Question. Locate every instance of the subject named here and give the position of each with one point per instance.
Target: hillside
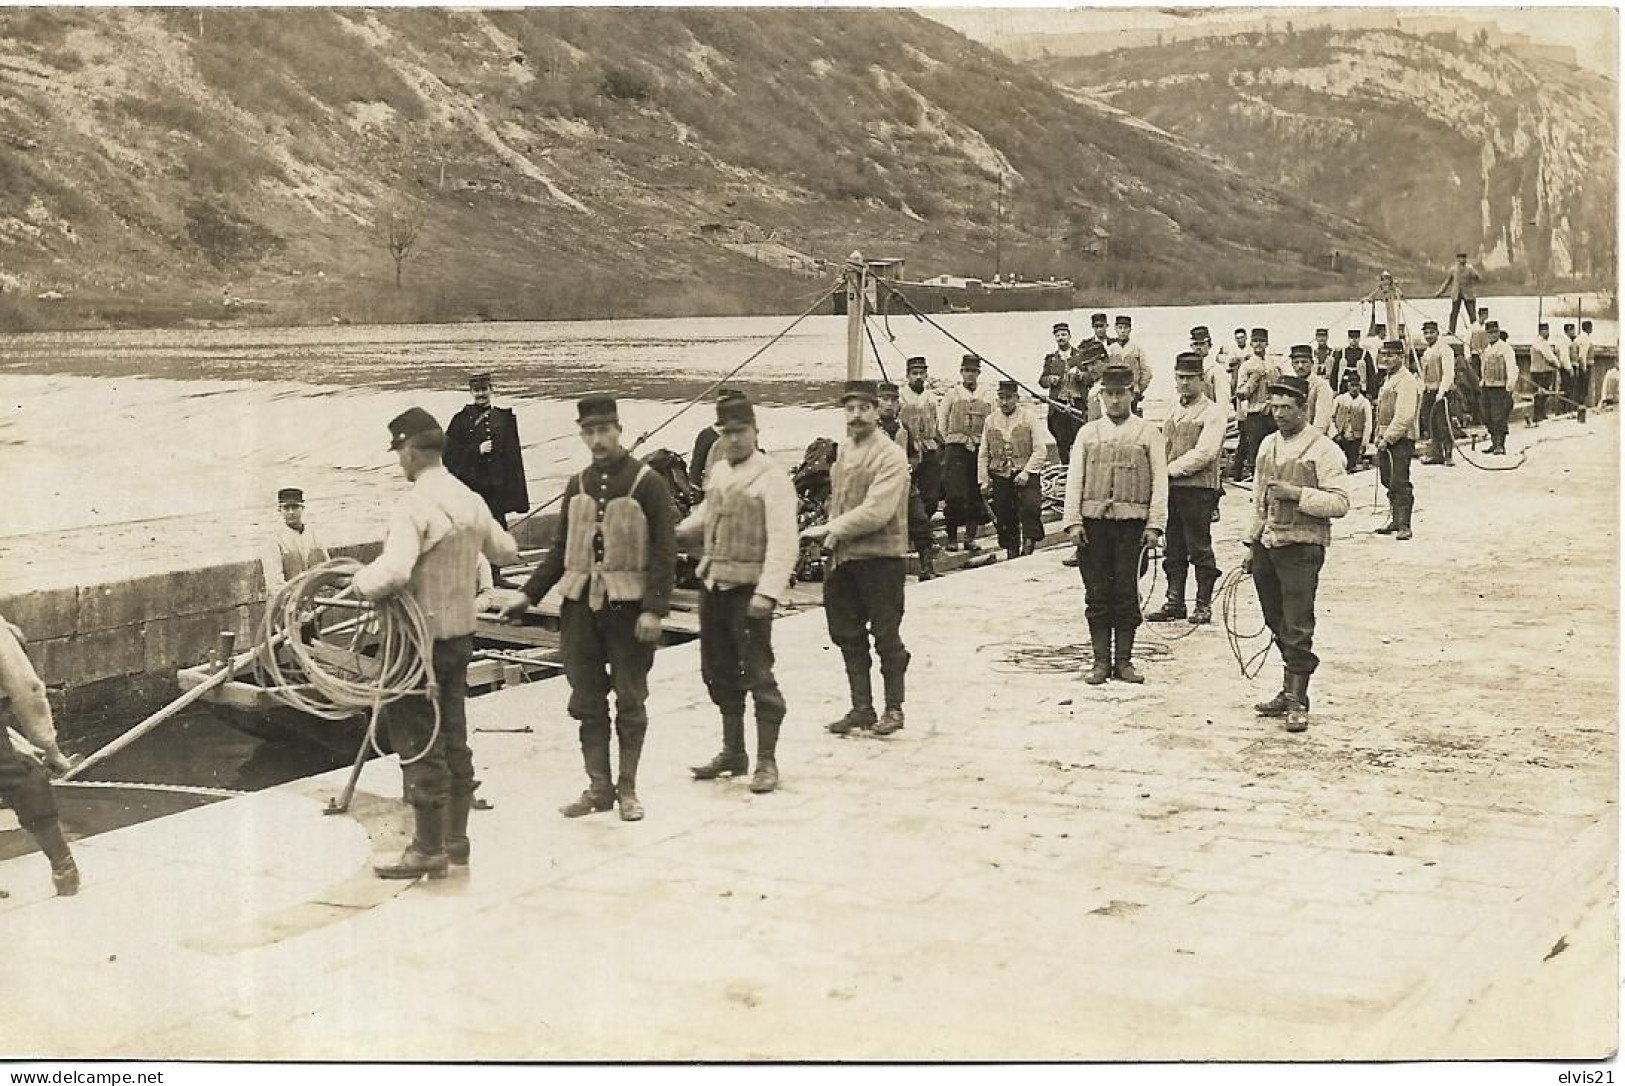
(581, 163)
(1436, 142)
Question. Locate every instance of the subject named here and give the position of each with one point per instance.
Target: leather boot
(456, 810)
(1100, 638)
(64, 872)
(1393, 519)
(862, 714)
(1170, 610)
(1123, 658)
(1012, 553)
(928, 566)
(732, 761)
(894, 681)
(971, 531)
(426, 855)
(1282, 702)
(953, 540)
(766, 777)
(626, 789)
(600, 793)
(1202, 612)
(1297, 718)
(1404, 513)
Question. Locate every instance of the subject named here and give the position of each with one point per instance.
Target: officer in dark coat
(482, 452)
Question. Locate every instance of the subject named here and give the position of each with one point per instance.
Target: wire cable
(1227, 594)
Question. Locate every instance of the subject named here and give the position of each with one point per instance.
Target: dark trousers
(602, 654)
(1351, 451)
(1497, 410)
(928, 480)
(1436, 413)
(446, 768)
(1286, 579)
(1109, 563)
(1016, 510)
(1580, 385)
(1394, 470)
(965, 505)
(1190, 541)
(863, 598)
(736, 655)
(1544, 383)
(1457, 305)
(1064, 429)
(25, 785)
(919, 522)
(1254, 429)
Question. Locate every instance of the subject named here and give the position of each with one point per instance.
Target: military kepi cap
(1009, 386)
(1060, 326)
(480, 380)
(1188, 362)
(1200, 333)
(917, 362)
(1301, 350)
(970, 362)
(290, 495)
(1262, 334)
(1117, 377)
(1492, 326)
(595, 409)
(1099, 318)
(861, 390)
(408, 424)
(1430, 326)
(1322, 332)
(1393, 346)
(1354, 333)
(735, 413)
(1292, 386)
(887, 388)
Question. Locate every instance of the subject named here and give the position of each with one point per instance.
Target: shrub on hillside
(226, 238)
(626, 84)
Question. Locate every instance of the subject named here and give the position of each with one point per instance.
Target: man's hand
(1247, 562)
(816, 532)
(987, 490)
(1151, 537)
(1022, 477)
(55, 761)
(648, 629)
(1078, 536)
(1286, 492)
(760, 606)
(485, 447)
(514, 610)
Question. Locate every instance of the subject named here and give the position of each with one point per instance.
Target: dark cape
(498, 478)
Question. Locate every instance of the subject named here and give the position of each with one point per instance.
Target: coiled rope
(1227, 595)
(402, 666)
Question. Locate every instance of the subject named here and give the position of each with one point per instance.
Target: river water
(111, 428)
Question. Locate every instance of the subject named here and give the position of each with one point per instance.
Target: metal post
(856, 273)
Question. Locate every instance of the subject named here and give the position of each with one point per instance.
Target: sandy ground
(1033, 868)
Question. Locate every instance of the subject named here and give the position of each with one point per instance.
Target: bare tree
(398, 230)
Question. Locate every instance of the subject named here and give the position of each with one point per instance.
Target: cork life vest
(1116, 481)
(1388, 402)
(607, 549)
(1007, 455)
(1348, 417)
(1432, 368)
(1284, 520)
(1495, 371)
(735, 534)
(967, 414)
(920, 417)
(299, 551)
(1258, 400)
(1181, 436)
(443, 579)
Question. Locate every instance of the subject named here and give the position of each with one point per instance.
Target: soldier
(1461, 283)
(1320, 390)
(294, 546)
(1354, 358)
(1116, 506)
(1544, 369)
(1324, 354)
(1100, 332)
(614, 559)
(1298, 489)
(960, 416)
(1498, 376)
(482, 452)
(25, 784)
(1214, 370)
(919, 526)
(1068, 383)
(438, 531)
(1194, 436)
(747, 524)
(1351, 420)
(1252, 389)
(1584, 348)
(1007, 469)
(917, 408)
(1131, 355)
(1398, 406)
(865, 535)
(1478, 338)
(705, 452)
(1438, 382)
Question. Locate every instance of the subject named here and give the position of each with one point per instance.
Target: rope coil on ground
(313, 683)
(1227, 595)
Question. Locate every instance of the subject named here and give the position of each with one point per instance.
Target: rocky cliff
(1440, 143)
(410, 164)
